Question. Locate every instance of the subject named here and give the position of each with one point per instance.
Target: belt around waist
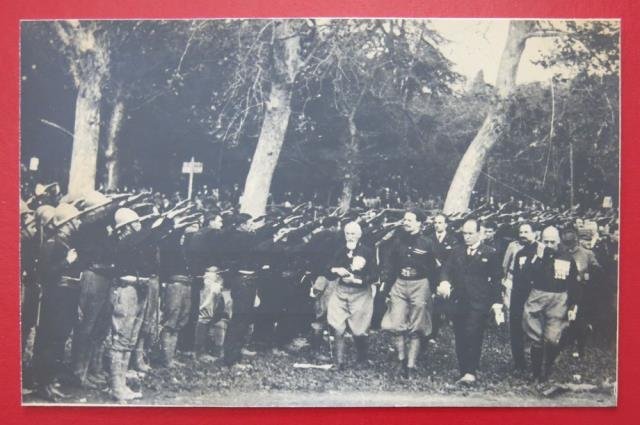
(136, 281)
(411, 273)
(246, 272)
(70, 280)
(180, 278)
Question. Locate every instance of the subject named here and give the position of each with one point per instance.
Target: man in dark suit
(443, 243)
(471, 278)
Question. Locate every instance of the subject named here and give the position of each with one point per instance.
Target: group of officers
(114, 274)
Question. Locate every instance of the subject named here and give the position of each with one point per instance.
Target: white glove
(444, 289)
(256, 301)
(340, 271)
(72, 255)
(573, 313)
(507, 283)
(498, 313)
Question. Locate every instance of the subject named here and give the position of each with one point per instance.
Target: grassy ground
(270, 379)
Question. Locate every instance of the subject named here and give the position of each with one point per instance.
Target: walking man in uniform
(409, 264)
(551, 303)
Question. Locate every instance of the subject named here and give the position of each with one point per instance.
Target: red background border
(628, 401)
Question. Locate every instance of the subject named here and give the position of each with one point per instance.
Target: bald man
(551, 303)
(471, 278)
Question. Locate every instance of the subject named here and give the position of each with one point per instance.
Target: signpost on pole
(192, 167)
(34, 163)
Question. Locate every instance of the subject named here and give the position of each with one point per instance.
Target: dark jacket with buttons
(475, 279)
(410, 257)
(557, 272)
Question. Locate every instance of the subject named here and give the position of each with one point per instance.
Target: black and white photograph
(319, 212)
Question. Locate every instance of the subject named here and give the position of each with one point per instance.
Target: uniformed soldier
(177, 277)
(588, 268)
(129, 295)
(320, 250)
(551, 302)
(408, 265)
(29, 288)
(60, 265)
(523, 266)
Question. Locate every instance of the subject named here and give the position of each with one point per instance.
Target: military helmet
(42, 189)
(24, 208)
(125, 216)
(92, 200)
(44, 214)
(64, 213)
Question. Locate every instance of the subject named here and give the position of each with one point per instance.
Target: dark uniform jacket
(523, 266)
(53, 267)
(137, 254)
(29, 259)
(320, 250)
(557, 272)
(475, 279)
(97, 249)
(410, 257)
(174, 260)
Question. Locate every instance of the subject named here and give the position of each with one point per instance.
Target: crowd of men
(116, 273)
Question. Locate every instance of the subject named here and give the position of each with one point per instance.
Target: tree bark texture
(286, 52)
(112, 158)
(350, 169)
(470, 166)
(88, 58)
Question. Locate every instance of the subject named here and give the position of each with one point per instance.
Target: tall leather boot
(401, 365)
(316, 340)
(96, 364)
(218, 331)
(168, 341)
(362, 348)
(202, 338)
(536, 362)
(126, 361)
(139, 362)
(412, 355)
(339, 352)
(551, 351)
(81, 357)
(117, 377)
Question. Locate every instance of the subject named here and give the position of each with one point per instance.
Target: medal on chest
(561, 269)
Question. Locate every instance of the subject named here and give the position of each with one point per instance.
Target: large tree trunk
(492, 128)
(88, 56)
(112, 157)
(276, 120)
(350, 171)
(84, 155)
